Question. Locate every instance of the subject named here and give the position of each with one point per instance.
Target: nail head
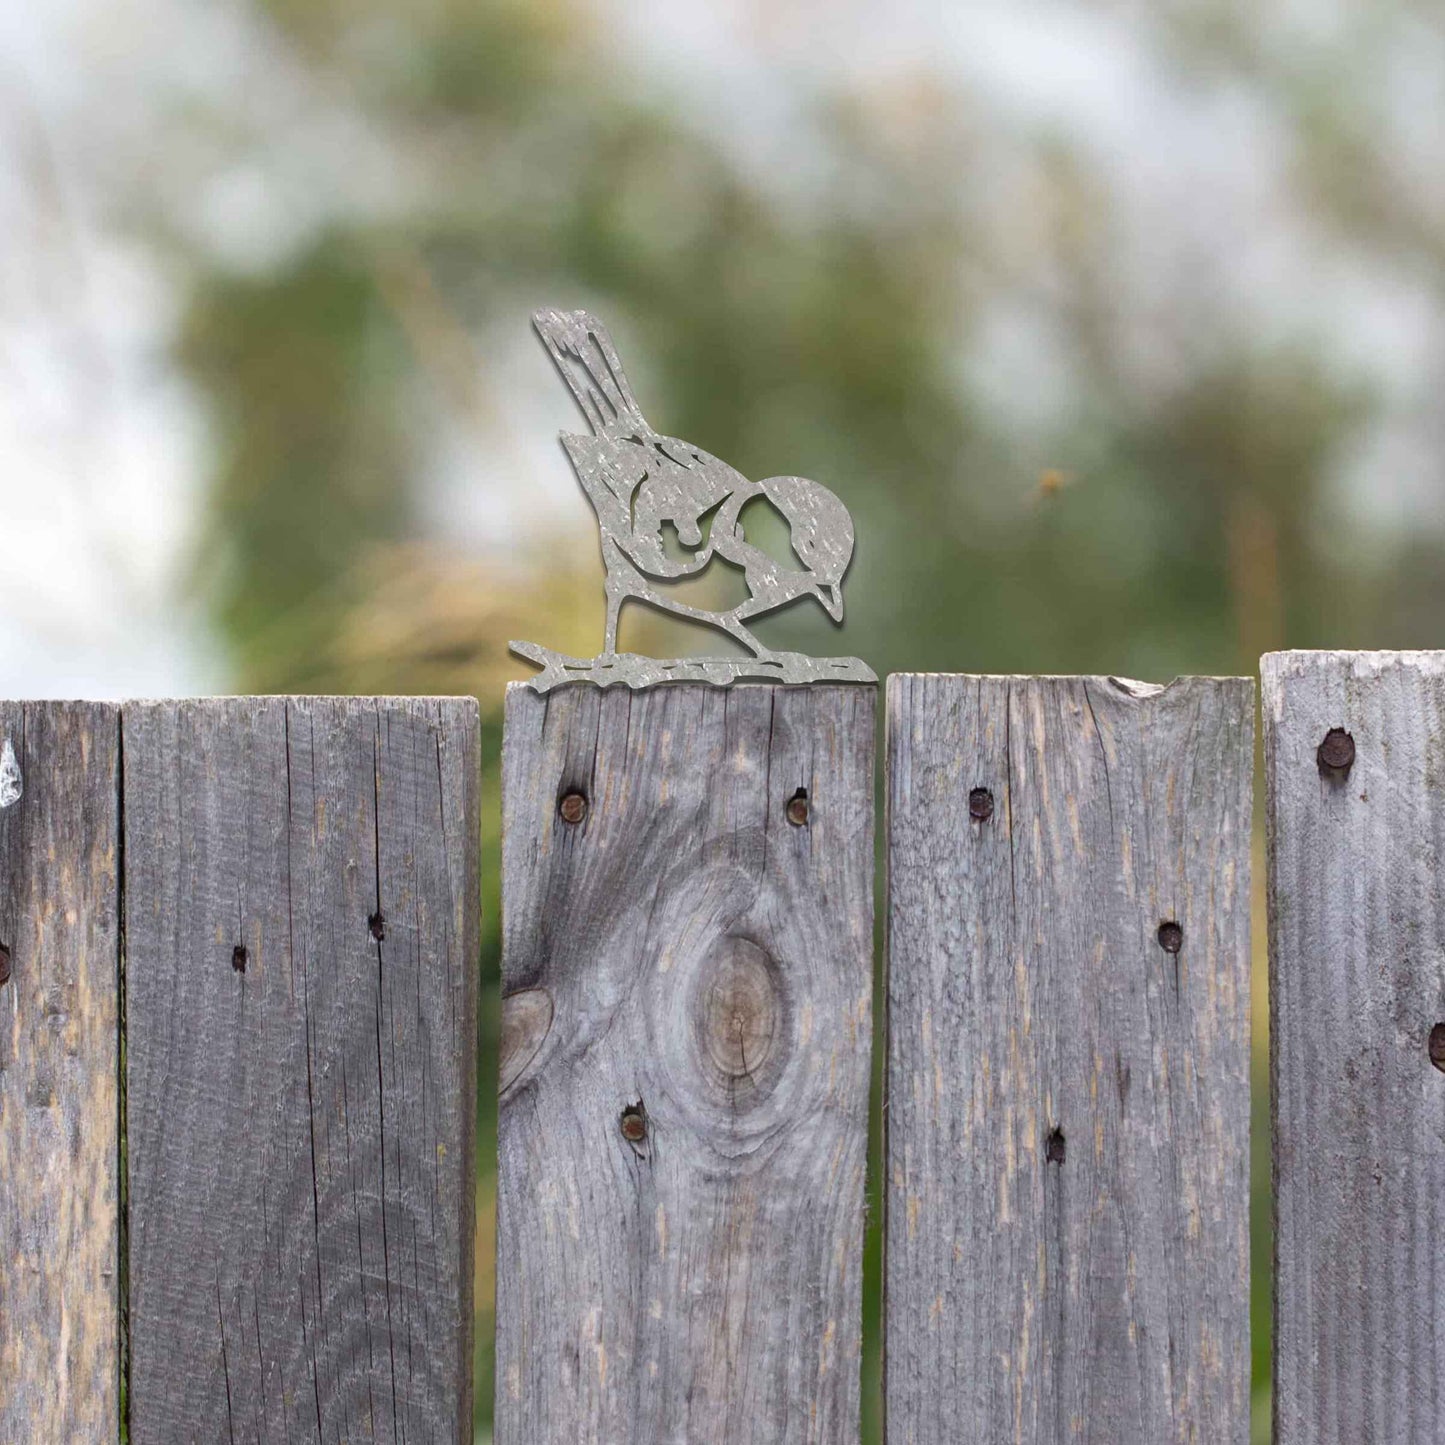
(573, 808)
(1337, 752)
(1171, 937)
(239, 958)
(798, 808)
(980, 805)
(633, 1124)
(4, 965)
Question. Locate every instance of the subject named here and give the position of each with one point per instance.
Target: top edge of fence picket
(1126, 686)
(119, 703)
(113, 704)
(382, 699)
(1364, 662)
(1281, 672)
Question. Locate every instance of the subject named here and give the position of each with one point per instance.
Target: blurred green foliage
(1175, 511)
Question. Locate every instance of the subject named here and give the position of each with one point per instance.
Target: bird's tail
(584, 354)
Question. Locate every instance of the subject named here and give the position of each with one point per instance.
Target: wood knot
(1437, 1046)
(526, 1022)
(740, 1009)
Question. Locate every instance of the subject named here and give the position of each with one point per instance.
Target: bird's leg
(619, 585)
(637, 587)
(609, 635)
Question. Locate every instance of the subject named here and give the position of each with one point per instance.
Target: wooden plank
(683, 1123)
(59, 1075)
(301, 931)
(1357, 987)
(1068, 1092)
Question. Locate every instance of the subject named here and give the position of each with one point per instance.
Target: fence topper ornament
(642, 485)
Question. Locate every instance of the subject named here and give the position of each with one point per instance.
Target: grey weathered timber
(59, 1078)
(1357, 988)
(1068, 1084)
(301, 988)
(687, 950)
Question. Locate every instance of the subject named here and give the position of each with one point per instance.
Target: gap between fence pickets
(123, 1183)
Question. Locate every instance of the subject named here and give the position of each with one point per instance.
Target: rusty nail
(4, 965)
(239, 956)
(377, 925)
(1337, 753)
(573, 807)
(633, 1124)
(1171, 937)
(798, 808)
(1437, 1047)
(980, 805)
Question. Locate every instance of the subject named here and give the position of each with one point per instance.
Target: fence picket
(59, 1080)
(1355, 767)
(687, 948)
(301, 941)
(1068, 1081)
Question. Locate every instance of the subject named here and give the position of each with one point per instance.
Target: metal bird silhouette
(641, 484)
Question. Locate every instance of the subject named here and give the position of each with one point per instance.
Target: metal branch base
(631, 669)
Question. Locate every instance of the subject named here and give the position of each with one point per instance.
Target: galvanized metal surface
(642, 486)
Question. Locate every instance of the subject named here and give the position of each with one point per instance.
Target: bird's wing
(584, 355)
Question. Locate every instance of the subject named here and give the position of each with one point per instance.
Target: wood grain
(59, 1077)
(301, 925)
(1068, 1101)
(1357, 985)
(685, 955)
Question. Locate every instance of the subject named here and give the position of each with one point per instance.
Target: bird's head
(822, 534)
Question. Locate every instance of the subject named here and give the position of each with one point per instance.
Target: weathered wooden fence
(1355, 770)
(60, 872)
(1068, 1067)
(238, 1003)
(688, 938)
(282, 893)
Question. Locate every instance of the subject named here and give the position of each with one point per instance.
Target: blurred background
(1119, 327)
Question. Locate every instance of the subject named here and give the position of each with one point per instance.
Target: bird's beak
(831, 597)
